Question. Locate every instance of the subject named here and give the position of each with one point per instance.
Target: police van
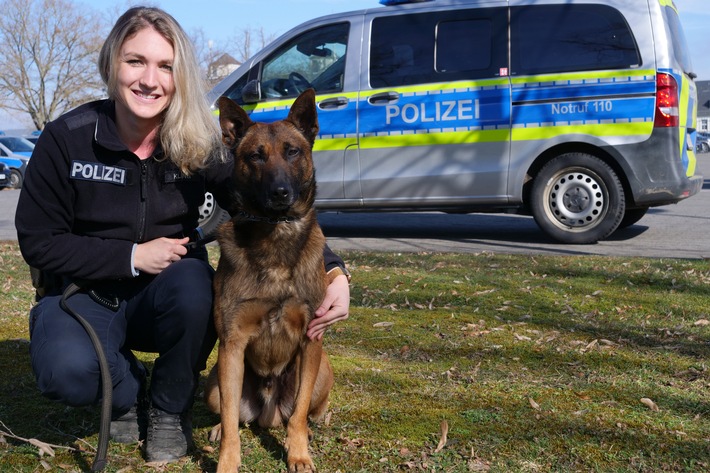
(581, 113)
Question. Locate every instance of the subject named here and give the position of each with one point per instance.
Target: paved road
(676, 231)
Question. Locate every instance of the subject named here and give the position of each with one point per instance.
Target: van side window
(464, 46)
(437, 47)
(314, 59)
(565, 38)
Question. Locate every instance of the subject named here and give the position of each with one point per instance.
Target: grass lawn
(451, 363)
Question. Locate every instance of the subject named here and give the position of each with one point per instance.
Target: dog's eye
(293, 152)
(255, 156)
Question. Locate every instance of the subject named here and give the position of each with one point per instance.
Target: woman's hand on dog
(154, 256)
(334, 308)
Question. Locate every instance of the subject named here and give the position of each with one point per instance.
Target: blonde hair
(188, 132)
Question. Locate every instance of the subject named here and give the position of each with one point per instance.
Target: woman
(110, 200)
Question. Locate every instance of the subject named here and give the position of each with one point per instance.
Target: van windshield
(315, 59)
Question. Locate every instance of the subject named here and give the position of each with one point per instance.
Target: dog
(269, 281)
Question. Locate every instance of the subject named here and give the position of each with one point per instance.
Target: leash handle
(106, 384)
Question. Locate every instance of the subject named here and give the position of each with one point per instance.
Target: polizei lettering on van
(98, 172)
(445, 111)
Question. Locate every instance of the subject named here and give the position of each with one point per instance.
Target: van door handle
(383, 98)
(334, 103)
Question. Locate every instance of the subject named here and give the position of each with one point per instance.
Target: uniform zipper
(143, 200)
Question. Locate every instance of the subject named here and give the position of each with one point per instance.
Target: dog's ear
(303, 114)
(233, 120)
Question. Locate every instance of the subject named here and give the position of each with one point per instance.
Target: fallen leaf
(702, 322)
(534, 404)
(650, 404)
(351, 444)
(383, 324)
(444, 433)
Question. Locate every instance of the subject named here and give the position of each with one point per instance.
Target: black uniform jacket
(86, 199)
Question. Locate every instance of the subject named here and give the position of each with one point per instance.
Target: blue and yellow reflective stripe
(440, 87)
(434, 139)
(687, 111)
(602, 104)
(608, 130)
(639, 74)
(337, 132)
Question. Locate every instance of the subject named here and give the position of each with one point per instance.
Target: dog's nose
(280, 194)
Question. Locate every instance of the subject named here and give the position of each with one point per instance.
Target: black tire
(211, 215)
(632, 216)
(15, 179)
(577, 198)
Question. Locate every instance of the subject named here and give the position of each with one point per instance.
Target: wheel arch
(576, 147)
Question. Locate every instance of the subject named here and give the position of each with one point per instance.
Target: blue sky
(221, 19)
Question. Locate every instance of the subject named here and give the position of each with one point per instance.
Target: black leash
(201, 242)
(100, 460)
(106, 384)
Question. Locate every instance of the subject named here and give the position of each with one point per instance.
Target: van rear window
(565, 38)
(680, 46)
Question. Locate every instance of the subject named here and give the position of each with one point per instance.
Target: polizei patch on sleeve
(98, 172)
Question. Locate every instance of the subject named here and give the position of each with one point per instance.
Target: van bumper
(651, 197)
(655, 170)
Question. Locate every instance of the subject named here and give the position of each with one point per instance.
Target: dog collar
(242, 215)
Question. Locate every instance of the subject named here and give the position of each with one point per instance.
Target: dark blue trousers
(169, 314)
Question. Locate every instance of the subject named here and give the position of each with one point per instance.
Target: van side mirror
(251, 93)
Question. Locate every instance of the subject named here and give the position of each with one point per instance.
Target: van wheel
(577, 198)
(211, 215)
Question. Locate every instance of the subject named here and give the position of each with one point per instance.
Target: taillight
(667, 110)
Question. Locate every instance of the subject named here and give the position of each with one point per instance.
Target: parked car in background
(4, 175)
(32, 137)
(16, 163)
(17, 145)
(702, 142)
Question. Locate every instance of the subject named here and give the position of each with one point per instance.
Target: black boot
(129, 427)
(169, 435)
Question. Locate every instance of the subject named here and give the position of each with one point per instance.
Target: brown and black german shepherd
(270, 279)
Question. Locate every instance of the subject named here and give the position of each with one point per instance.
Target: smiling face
(144, 86)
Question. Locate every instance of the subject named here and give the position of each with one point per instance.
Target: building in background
(221, 68)
(703, 105)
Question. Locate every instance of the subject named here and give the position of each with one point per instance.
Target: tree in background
(48, 53)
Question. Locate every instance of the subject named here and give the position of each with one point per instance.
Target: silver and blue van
(581, 113)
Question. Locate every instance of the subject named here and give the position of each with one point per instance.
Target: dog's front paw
(299, 460)
(303, 465)
(230, 459)
(216, 433)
